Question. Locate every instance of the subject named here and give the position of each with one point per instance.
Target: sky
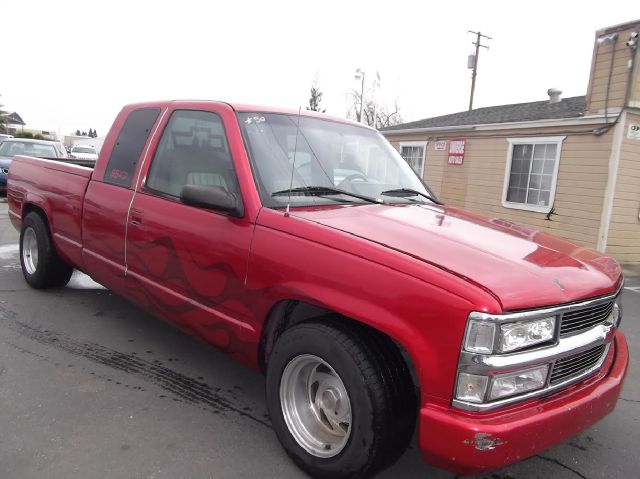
(70, 65)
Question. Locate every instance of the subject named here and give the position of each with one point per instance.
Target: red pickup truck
(306, 247)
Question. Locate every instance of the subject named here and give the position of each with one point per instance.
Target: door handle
(135, 217)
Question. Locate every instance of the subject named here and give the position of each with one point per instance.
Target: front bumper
(471, 443)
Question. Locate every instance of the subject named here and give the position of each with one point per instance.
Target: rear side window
(129, 145)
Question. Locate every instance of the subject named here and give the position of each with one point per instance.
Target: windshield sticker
(255, 119)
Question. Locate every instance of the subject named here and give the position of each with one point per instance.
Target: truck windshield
(328, 154)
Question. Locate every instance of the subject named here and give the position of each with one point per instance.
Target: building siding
(601, 64)
(623, 240)
(585, 161)
(478, 184)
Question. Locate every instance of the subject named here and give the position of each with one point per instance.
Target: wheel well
(29, 207)
(288, 313)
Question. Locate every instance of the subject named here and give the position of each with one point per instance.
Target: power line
(478, 44)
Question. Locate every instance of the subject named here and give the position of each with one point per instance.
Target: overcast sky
(74, 64)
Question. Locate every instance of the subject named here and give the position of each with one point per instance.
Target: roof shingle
(537, 110)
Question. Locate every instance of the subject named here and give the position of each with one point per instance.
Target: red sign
(456, 152)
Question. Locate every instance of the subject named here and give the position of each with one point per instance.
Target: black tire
(49, 271)
(381, 393)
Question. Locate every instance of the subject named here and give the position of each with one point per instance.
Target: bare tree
(3, 120)
(316, 97)
(374, 113)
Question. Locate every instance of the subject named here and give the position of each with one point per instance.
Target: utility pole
(474, 64)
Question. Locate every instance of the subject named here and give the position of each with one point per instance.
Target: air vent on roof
(554, 95)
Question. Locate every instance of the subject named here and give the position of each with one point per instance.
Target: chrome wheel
(30, 250)
(315, 406)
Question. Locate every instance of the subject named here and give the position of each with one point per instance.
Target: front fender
(427, 320)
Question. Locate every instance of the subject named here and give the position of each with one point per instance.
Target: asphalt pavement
(92, 387)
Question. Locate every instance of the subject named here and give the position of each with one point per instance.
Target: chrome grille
(582, 319)
(576, 365)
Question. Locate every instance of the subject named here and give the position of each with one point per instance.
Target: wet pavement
(91, 386)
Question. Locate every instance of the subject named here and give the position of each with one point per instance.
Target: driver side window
(193, 150)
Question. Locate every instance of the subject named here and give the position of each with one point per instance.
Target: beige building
(570, 166)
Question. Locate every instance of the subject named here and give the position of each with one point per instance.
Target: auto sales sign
(456, 152)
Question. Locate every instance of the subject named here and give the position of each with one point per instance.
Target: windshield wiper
(323, 191)
(403, 192)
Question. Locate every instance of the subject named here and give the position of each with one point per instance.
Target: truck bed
(59, 186)
(74, 161)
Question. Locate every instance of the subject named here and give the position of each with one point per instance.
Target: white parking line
(635, 289)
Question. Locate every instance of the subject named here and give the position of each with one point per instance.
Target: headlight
(481, 335)
(526, 333)
(518, 383)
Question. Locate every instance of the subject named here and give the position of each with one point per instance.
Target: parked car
(62, 151)
(370, 305)
(83, 152)
(4, 136)
(11, 147)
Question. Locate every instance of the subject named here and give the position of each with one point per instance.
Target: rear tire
(360, 367)
(41, 266)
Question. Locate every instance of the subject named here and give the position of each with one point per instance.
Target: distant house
(570, 166)
(13, 119)
(15, 124)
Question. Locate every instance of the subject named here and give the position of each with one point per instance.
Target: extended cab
(306, 247)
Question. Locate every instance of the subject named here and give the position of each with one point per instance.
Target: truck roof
(241, 107)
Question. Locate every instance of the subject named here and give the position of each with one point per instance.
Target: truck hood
(522, 267)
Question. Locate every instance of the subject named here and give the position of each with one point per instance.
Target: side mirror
(211, 197)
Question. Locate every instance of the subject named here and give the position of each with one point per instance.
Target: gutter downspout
(609, 194)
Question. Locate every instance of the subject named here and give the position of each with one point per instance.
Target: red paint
(447, 438)
(412, 271)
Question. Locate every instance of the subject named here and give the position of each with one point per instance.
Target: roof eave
(570, 121)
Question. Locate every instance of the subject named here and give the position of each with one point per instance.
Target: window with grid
(413, 153)
(532, 170)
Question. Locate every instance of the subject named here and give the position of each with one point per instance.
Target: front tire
(41, 266)
(341, 399)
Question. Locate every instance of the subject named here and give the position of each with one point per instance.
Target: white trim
(609, 193)
(590, 119)
(423, 144)
(582, 120)
(532, 140)
(135, 187)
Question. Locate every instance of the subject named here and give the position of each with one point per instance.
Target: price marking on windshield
(255, 119)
